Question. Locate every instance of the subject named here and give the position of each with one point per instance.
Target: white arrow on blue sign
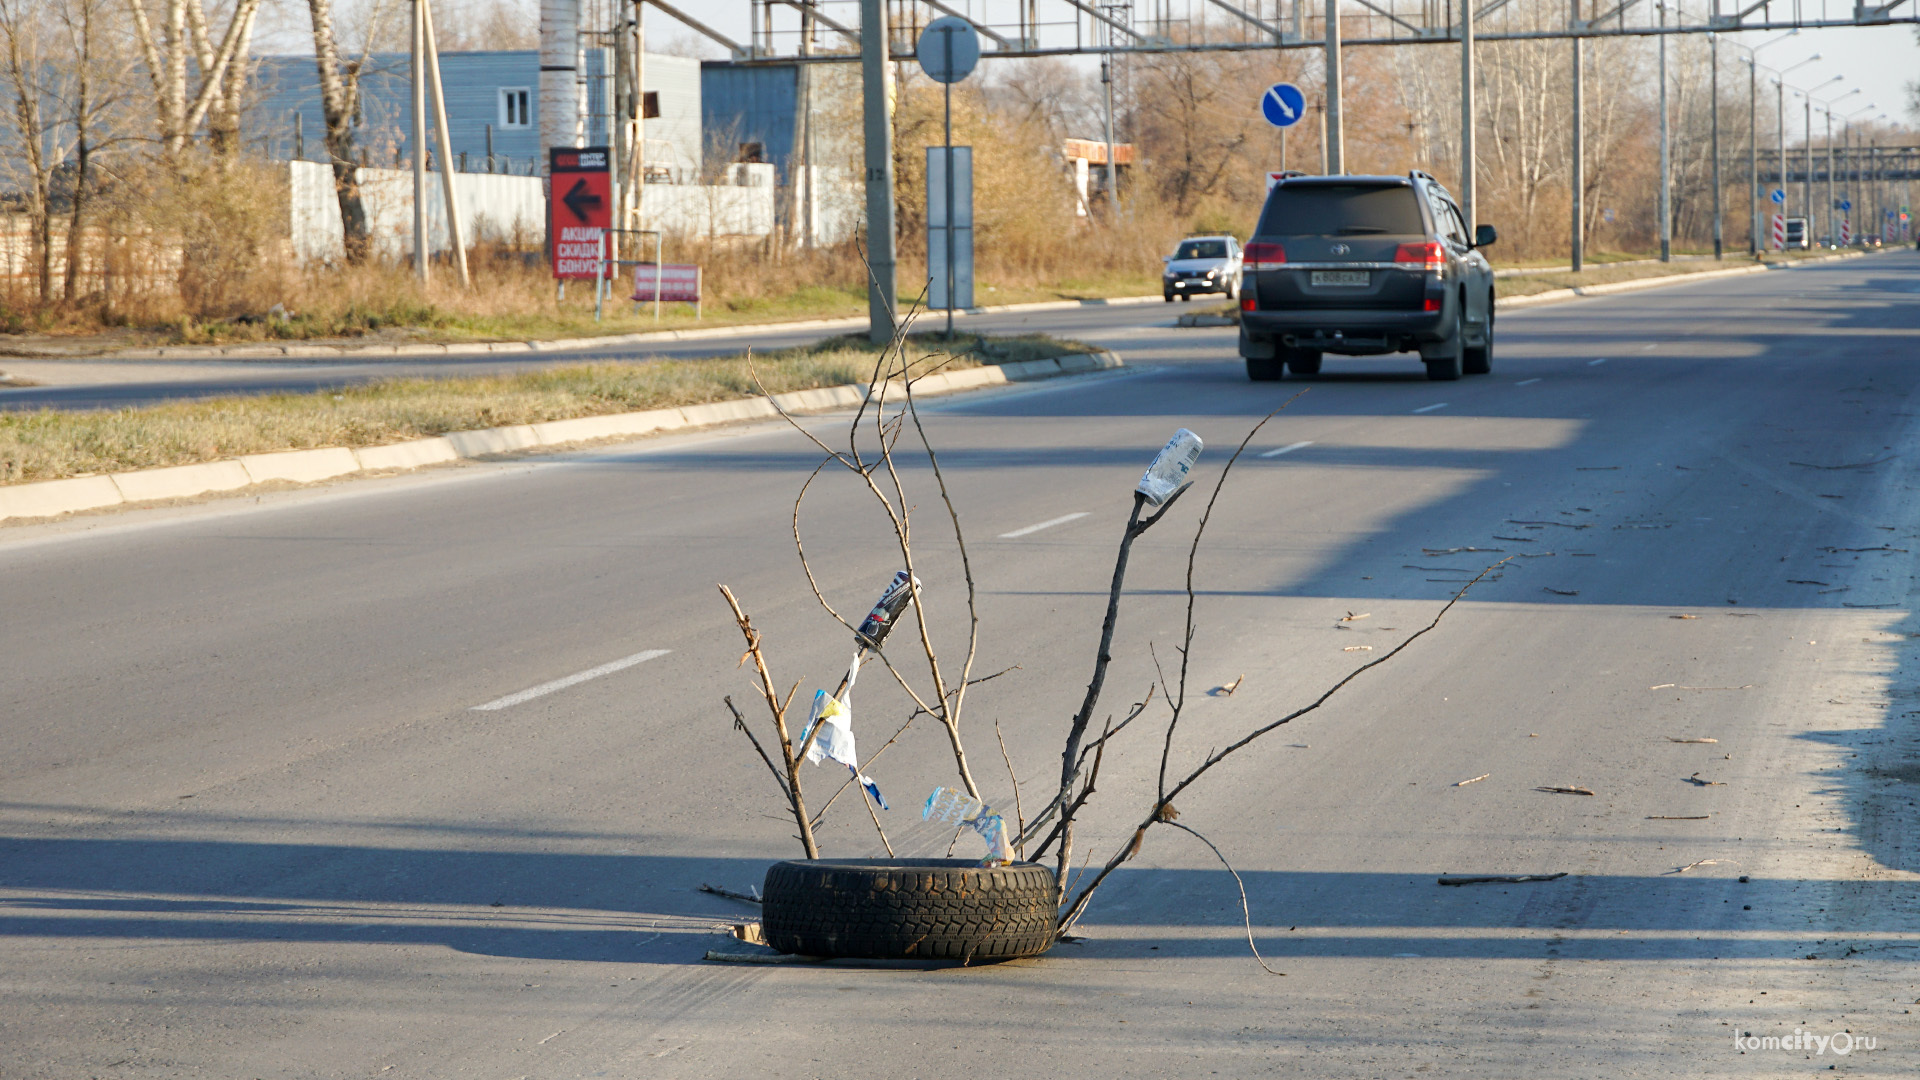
(1283, 105)
(1778, 196)
(1846, 204)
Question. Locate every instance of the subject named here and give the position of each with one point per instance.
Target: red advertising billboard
(579, 209)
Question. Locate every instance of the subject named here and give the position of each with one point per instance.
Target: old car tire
(927, 909)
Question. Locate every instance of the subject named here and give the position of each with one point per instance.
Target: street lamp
(1780, 109)
(1854, 178)
(1833, 206)
(1808, 95)
(1753, 135)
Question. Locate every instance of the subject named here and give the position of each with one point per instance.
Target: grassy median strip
(50, 445)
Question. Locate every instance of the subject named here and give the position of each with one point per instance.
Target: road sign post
(1779, 232)
(579, 209)
(948, 50)
(1283, 105)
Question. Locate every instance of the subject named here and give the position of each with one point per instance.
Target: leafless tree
(183, 51)
(339, 107)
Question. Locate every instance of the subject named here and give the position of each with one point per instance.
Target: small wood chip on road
(1556, 790)
(1473, 780)
(1672, 739)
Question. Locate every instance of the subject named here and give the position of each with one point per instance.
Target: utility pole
(1808, 186)
(417, 50)
(879, 154)
(1713, 61)
(456, 234)
(1753, 155)
(1666, 154)
(1578, 232)
(1468, 208)
(1335, 119)
(1113, 167)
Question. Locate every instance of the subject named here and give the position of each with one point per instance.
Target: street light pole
(1336, 117)
(1666, 151)
(1753, 137)
(1713, 61)
(1578, 230)
(1468, 197)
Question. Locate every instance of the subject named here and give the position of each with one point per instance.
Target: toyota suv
(1362, 266)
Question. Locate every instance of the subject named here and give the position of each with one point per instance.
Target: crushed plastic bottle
(1170, 467)
(879, 622)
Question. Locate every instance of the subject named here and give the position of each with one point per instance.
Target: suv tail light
(1263, 256)
(1428, 255)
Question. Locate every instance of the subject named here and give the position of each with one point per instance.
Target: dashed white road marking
(1592, 363)
(1526, 382)
(1287, 449)
(1430, 408)
(576, 679)
(1031, 529)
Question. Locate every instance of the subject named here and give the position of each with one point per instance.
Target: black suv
(1363, 265)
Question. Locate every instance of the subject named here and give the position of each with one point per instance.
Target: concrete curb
(1557, 296)
(303, 351)
(51, 498)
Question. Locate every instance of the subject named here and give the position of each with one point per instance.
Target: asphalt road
(114, 384)
(254, 825)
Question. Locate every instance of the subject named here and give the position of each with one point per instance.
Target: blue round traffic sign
(1846, 204)
(1283, 105)
(1778, 196)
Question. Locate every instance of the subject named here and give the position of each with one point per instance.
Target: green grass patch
(49, 445)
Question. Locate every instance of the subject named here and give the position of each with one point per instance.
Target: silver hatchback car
(1202, 264)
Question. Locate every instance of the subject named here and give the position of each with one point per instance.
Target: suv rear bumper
(1351, 332)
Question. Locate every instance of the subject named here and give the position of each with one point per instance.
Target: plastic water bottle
(1170, 467)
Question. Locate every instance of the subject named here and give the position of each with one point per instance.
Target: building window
(650, 105)
(515, 111)
(751, 153)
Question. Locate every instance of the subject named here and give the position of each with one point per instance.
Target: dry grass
(49, 445)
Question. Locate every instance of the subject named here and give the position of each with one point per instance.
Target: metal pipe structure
(881, 290)
(1336, 116)
(559, 106)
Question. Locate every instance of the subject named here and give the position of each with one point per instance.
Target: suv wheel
(1478, 359)
(1229, 290)
(1263, 370)
(1303, 361)
(1444, 358)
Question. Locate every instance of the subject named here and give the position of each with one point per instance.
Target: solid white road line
(1287, 449)
(572, 680)
(1526, 382)
(1591, 363)
(1430, 408)
(1031, 529)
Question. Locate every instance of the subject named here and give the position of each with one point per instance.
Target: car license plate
(1340, 277)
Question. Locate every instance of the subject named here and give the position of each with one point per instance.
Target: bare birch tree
(183, 51)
